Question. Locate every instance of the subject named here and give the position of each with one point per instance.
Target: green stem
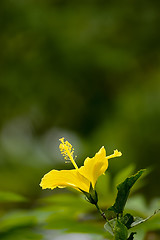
(101, 212)
(104, 216)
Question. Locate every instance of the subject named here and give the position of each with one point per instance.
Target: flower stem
(100, 211)
(104, 216)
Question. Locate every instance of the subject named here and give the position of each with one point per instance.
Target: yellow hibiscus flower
(79, 178)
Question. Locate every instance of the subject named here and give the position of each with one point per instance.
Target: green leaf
(110, 225)
(138, 220)
(124, 223)
(123, 192)
(127, 220)
(121, 232)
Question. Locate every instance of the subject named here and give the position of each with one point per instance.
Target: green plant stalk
(104, 216)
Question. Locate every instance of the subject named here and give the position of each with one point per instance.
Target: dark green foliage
(123, 192)
(131, 237)
(120, 231)
(118, 227)
(127, 220)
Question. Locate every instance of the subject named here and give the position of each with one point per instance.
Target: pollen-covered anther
(67, 151)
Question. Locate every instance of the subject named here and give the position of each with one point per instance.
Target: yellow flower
(79, 178)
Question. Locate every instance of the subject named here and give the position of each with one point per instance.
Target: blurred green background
(88, 71)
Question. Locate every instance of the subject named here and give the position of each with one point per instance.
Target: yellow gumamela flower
(79, 178)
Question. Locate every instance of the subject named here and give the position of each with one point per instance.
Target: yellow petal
(65, 178)
(115, 154)
(94, 167)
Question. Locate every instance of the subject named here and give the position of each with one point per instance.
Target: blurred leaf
(11, 197)
(16, 220)
(70, 224)
(136, 205)
(123, 192)
(21, 234)
(74, 201)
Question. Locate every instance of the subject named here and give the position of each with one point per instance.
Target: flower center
(67, 151)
